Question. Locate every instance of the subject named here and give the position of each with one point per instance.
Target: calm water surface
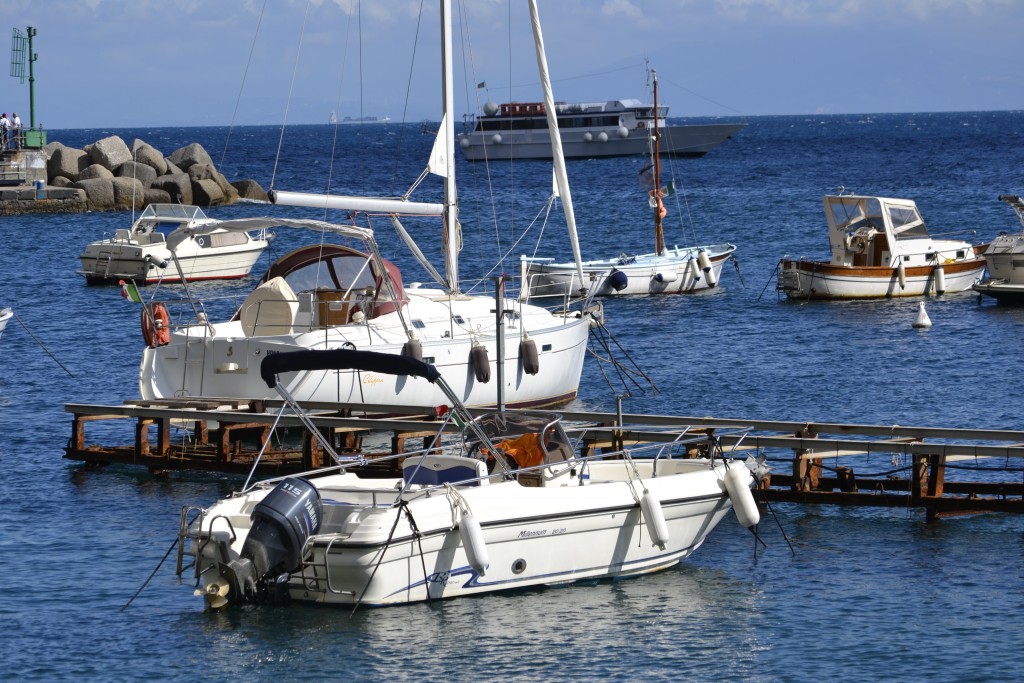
(866, 594)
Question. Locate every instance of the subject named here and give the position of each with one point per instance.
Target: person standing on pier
(5, 131)
(16, 130)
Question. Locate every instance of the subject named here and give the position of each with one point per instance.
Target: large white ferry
(519, 130)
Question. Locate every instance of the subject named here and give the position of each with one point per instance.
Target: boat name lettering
(231, 351)
(443, 578)
(370, 379)
(532, 534)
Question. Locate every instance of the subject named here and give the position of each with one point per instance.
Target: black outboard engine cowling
(282, 523)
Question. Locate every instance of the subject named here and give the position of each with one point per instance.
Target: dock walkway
(941, 470)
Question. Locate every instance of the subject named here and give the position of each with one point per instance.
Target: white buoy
(922, 319)
(901, 273)
(655, 518)
(742, 499)
(473, 541)
(939, 278)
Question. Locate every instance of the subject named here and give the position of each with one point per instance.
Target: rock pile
(113, 175)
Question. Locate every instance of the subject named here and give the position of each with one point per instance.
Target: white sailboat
(665, 271)
(340, 297)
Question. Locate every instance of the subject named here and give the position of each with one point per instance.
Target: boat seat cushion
(435, 470)
(269, 309)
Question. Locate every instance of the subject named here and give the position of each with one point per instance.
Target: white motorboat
(5, 315)
(880, 248)
(510, 505)
(139, 254)
(519, 130)
(665, 271)
(330, 296)
(1005, 261)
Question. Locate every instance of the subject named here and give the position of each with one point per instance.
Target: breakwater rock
(110, 174)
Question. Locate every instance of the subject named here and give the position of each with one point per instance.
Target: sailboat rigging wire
(241, 87)
(341, 91)
(291, 87)
(547, 213)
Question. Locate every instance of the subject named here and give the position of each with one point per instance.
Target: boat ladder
(102, 266)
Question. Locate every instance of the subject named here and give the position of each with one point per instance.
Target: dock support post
(806, 471)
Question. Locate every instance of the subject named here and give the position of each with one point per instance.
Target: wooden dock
(943, 471)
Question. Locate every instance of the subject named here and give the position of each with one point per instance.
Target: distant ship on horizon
(364, 119)
(357, 119)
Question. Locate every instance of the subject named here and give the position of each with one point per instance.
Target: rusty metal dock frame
(930, 450)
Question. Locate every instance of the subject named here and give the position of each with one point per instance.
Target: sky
(140, 63)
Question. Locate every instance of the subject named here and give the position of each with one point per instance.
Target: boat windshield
(851, 213)
(907, 223)
(334, 267)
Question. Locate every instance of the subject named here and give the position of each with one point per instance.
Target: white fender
(655, 518)
(666, 276)
(694, 270)
(939, 278)
(473, 541)
(742, 499)
(901, 272)
(705, 265)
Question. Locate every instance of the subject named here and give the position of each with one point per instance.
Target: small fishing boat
(511, 504)
(880, 248)
(668, 270)
(140, 254)
(1005, 260)
(5, 315)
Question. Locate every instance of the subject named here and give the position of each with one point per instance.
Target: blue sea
(865, 594)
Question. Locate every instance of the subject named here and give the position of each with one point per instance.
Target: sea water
(864, 594)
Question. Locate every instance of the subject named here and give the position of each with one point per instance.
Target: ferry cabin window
(500, 124)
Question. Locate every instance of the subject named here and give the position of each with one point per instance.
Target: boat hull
(803, 280)
(554, 534)
(111, 263)
(579, 143)
(676, 272)
(1002, 291)
(5, 315)
(227, 363)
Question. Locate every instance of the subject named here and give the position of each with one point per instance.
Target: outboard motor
(281, 524)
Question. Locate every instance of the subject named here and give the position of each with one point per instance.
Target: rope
(36, 340)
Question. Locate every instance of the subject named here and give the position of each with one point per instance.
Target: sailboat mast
(556, 140)
(451, 210)
(659, 208)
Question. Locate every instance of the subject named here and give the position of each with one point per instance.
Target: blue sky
(123, 63)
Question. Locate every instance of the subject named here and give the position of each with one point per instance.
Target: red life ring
(156, 325)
